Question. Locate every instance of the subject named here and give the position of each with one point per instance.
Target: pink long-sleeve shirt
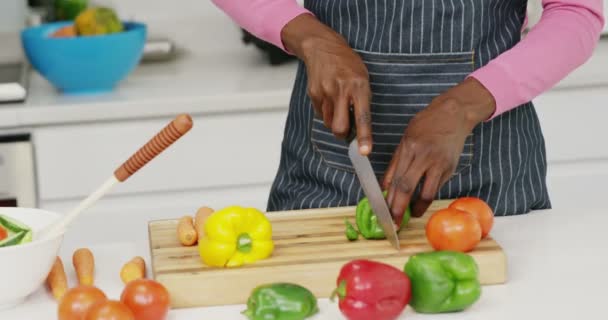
(563, 39)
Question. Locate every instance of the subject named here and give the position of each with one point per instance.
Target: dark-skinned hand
(432, 144)
(337, 77)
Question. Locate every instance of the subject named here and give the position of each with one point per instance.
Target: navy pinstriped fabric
(414, 50)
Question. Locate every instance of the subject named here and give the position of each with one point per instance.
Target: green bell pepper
(367, 221)
(443, 281)
(281, 301)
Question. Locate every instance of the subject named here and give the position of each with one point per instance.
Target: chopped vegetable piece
(185, 231)
(13, 239)
(57, 280)
(84, 264)
(199, 220)
(351, 232)
(133, 270)
(12, 224)
(3, 233)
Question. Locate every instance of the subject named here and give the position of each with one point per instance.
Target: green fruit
(98, 21)
(69, 9)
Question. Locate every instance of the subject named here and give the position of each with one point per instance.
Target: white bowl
(24, 268)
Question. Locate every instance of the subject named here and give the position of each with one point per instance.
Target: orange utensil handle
(173, 131)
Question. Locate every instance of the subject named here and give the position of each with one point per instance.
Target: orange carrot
(133, 269)
(57, 280)
(199, 220)
(185, 231)
(84, 264)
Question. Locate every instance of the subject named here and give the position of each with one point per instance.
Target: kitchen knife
(370, 185)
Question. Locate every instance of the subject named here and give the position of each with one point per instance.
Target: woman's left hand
(432, 144)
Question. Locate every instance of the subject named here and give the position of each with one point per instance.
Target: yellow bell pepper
(235, 236)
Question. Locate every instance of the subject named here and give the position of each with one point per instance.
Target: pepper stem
(244, 243)
(340, 291)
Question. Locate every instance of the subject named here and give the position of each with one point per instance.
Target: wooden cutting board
(310, 249)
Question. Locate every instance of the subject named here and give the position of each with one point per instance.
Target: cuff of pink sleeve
(501, 85)
(279, 16)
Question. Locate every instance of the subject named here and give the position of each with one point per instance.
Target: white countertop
(196, 83)
(557, 268)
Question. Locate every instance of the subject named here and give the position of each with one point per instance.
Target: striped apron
(414, 50)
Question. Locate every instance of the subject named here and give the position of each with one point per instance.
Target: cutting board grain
(310, 249)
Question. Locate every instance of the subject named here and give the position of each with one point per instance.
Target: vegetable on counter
(57, 280)
(443, 281)
(367, 221)
(453, 229)
(372, 290)
(185, 231)
(77, 301)
(235, 236)
(148, 299)
(84, 264)
(479, 209)
(281, 301)
(132, 270)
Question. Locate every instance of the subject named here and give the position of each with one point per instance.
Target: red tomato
(478, 208)
(3, 233)
(453, 229)
(148, 299)
(109, 310)
(77, 301)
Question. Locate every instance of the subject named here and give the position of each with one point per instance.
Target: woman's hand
(337, 77)
(432, 144)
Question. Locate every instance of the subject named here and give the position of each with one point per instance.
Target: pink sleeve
(562, 40)
(263, 18)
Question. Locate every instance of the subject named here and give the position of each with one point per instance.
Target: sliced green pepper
(281, 301)
(443, 281)
(351, 233)
(367, 221)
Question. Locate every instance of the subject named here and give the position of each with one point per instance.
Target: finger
(405, 184)
(390, 170)
(328, 112)
(340, 102)
(341, 122)
(427, 194)
(317, 102)
(402, 161)
(363, 117)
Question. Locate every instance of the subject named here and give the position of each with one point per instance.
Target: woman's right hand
(337, 77)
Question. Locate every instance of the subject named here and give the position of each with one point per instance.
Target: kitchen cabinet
(225, 159)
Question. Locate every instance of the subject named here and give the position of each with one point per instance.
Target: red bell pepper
(372, 290)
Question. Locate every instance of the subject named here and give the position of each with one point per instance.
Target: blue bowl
(84, 64)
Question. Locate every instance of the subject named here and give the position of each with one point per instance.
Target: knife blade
(371, 187)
